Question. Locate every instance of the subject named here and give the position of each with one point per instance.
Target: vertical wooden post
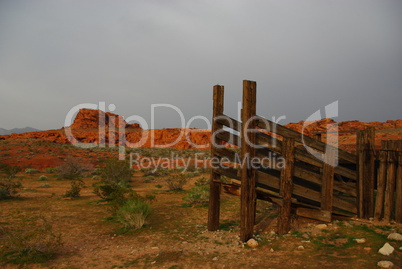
(390, 188)
(248, 174)
(366, 169)
(215, 186)
(381, 180)
(327, 188)
(286, 185)
(398, 204)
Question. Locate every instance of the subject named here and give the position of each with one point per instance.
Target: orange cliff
(85, 129)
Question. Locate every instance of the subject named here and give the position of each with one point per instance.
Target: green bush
(114, 182)
(201, 181)
(31, 171)
(51, 170)
(176, 181)
(11, 170)
(73, 168)
(30, 240)
(197, 195)
(75, 189)
(9, 188)
(42, 178)
(134, 213)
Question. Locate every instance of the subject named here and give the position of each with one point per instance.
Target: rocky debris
(300, 248)
(252, 243)
(321, 226)
(386, 250)
(385, 264)
(215, 258)
(395, 236)
(360, 240)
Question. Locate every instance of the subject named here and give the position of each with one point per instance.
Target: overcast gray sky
(303, 54)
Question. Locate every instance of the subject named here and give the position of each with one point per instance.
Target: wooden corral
(314, 179)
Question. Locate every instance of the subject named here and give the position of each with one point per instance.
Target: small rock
(385, 264)
(400, 248)
(321, 226)
(360, 240)
(305, 236)
(367, 249)
(387, 249)
(215, 259)
(395, 236)
(252, 243)
(271, 250)
(300, 247)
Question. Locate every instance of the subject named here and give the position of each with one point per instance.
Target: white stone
(252, 243)
(300, 247)
(360, 240)
(387, 249)
(395, 236)
(271, 250)
(215, 259)
(321, 226)
(385, 264)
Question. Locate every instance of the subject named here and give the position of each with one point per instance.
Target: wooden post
(366, 169)
(390, 188)
(398, 204)
(248, 174)
(286, 185)
(327, 188)
(381, 180)
(215, 186)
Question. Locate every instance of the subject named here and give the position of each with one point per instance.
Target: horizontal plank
(317, 214)
(275, 145)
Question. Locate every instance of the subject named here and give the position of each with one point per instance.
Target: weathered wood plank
(390, 187)
(316, 214)
(215, 187)
(248, 196)
(286, 185)
(327, 188)
(309, 141)
(381, 181)
(398, 203)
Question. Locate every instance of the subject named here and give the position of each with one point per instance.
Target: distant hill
(17, 130)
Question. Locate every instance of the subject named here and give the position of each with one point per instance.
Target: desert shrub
(113, 184)
(149, 179)
(42, 178)
(197, 195)
(150, 198)
(201, 181)
(116, 170)
(134, 213)
(44, 186)
(159, 186)
(51, 170)
(31, 171)
(176, 181)
(30, 240)
(75, 189)
(193, 174)
(9, 187)
(95, 178)
(10, 170)
(73, 168)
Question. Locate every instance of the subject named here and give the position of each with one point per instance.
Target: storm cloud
(303, 54)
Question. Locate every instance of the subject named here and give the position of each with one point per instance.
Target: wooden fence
(314, 185)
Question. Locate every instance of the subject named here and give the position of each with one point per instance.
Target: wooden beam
(381, 181)
(390, 187)
(327, 188)
(248, 196)
(317, 214)
(286, 185)
(398, 204)
(215, 187)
